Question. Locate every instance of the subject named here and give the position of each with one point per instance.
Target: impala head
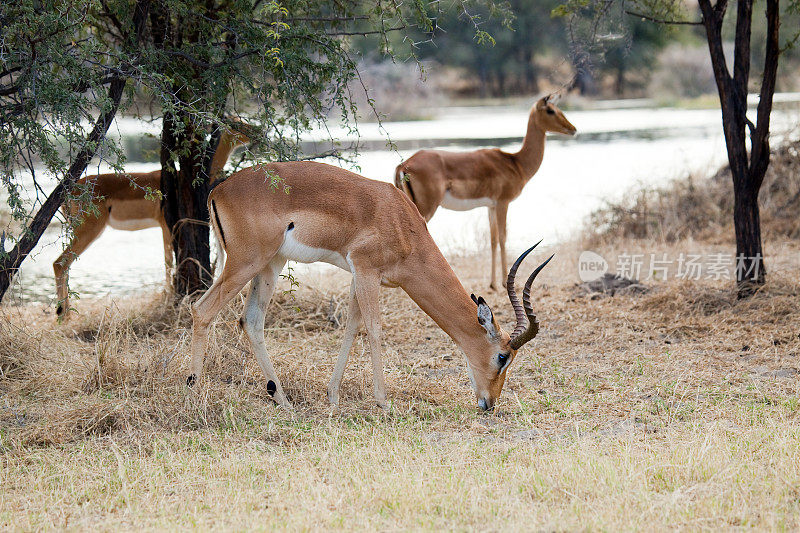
(239, 133)
(550, 118)
(488, 374)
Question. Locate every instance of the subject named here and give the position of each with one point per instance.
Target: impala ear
(543, 102)
(486, 318)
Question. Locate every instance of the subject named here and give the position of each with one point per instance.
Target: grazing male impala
(368, 228)
(483, 178)
(120, 201)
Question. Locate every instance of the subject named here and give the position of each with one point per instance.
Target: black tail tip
(59, 310)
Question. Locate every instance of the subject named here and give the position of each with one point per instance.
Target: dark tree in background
(636, 52)
(748, 167)
(505, 62)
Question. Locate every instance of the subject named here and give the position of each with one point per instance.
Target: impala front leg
(493, 232)
(501, 213)
(351, 330)
(367, 293)
(84, 235)
(169, 264)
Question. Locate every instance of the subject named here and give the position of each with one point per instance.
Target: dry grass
(675, 408)
(702, 208)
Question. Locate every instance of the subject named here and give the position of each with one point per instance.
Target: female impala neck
(224, 149)
(434, 287)
(530, 155)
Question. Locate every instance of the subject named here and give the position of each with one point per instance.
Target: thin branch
(382, 31)
(665, 21)
(328, 19)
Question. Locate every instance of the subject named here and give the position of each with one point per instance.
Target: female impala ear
(486, 318)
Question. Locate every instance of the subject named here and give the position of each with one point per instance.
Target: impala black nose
(485, 404)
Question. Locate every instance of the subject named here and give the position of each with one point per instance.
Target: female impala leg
(353, 323)
(83, 236)
(235, 275)
(166, 235)
(493, 233)
(368, 284)
(261, 288)
(501, 212)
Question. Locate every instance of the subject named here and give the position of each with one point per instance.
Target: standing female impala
(120, 202)
(368, 228)
(483, 178)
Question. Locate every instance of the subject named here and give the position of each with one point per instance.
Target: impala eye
(502, 359)
(550, 111)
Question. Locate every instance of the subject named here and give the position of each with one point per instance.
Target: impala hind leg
(235, 275)
(82, 237)
(367, 293)
(350, 332)
(261, 288)
(494, 237)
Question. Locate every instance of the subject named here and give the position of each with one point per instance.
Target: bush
(703, 208)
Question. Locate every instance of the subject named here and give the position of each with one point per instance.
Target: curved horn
(517, 341)
(519, 312)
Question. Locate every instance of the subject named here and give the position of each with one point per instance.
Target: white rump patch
(465, 204)
(132, 224)
(294, 250)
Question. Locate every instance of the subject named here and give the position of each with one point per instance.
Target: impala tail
(402, 181)
(219, 235)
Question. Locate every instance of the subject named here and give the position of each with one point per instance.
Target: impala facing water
(482, 178)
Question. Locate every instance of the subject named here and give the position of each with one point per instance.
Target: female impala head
(550, 118)
(488, 373)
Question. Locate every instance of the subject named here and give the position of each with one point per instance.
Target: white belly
(460, 204)
(133, 224)
(294, 250)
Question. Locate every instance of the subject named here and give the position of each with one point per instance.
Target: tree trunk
(619, 85)
(750, 270)
(185, 196)
(747, 172)
(9, 266)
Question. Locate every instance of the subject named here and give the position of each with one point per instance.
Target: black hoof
(59, 310)
(271, 387)
(191, 380)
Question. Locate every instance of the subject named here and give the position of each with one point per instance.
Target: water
(614, 151)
